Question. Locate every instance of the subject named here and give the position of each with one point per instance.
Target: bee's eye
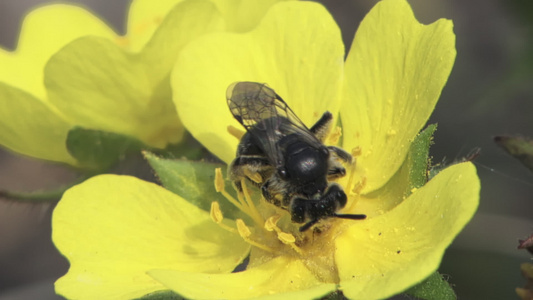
(282, 172)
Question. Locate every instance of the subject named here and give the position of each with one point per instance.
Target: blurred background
(490, 92)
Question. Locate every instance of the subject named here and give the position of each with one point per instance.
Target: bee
(284, 158)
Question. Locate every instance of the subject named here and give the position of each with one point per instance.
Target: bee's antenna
(340, 216)
(308, 225)
(349, 216)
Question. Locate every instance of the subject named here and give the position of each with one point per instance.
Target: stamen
(285, 238)
(219, 186)
(288, 239)
(216, 213)
(235, 132)
(219, 180)
(334, 136)
(245, 233)
(358, 187)
(217, 217)
(254, 213)
(270, 224)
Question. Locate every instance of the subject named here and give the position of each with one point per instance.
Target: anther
(216, 213)
(219, 187)
(245, 233)
(286, 238)
(289, 239)
(235, 132)
(219, 180)
(270, 223)
(217, 217)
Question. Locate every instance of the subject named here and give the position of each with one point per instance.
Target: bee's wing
(267, 117)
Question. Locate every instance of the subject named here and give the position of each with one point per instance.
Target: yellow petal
(98, 85)
(243, 15)
(395, 72)
(297, 50)
(113, 229)
(144, 18)
(411, 175)
(385, 255)
(282, 278)
(30, 127)
(44, 31)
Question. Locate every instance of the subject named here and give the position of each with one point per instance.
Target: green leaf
(161, 295)
(194, 181)
(418, 158)
(435, 287)
(97, 149)
(519, 147)
(412, 174)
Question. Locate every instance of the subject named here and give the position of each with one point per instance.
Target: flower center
(265, 234)
(271, 231)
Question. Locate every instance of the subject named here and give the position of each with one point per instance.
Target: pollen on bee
(235, 132)
(256, 177)
(334, 136)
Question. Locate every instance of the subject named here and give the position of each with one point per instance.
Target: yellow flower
(71, 69)
(125, 238)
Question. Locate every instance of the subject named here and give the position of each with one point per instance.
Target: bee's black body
(293, 164)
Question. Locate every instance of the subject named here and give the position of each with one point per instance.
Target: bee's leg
(276, 194)
(302, 209)
(336, 172)
(250, 167)
(269, 197)
(322, 126)
(341, 154)
(336, 169)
